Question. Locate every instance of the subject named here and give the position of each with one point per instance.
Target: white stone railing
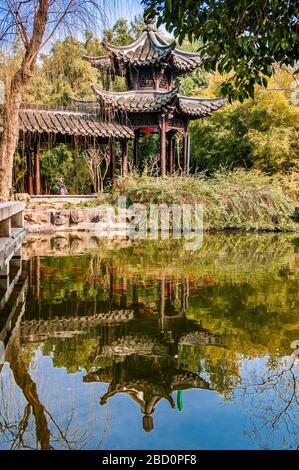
(11, 233)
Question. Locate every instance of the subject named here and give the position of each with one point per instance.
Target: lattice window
(146, 80)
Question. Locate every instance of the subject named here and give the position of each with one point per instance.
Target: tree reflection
(272, 398)
(150, 322)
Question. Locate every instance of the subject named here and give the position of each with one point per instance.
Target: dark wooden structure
(153, 103)
(43, 127)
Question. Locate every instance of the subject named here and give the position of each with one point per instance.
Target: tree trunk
(29, 389)
(14, 97)
(8, 144)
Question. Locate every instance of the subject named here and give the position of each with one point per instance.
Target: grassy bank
(231, 200)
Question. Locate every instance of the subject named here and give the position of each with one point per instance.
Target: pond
(143, 345)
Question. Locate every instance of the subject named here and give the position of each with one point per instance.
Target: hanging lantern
(147, 131)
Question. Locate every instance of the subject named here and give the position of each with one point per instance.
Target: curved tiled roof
(68, 327)
(138, 101)
(68, 121)
(149, 49)
(102, 62)
(135, 100)
(199, 107)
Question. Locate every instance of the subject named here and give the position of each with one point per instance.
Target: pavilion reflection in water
(138, 345)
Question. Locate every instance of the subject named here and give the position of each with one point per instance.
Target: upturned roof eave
(195, 108)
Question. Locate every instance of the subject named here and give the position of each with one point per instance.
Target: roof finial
(150, 22)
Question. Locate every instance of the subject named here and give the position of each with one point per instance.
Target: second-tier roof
(139, 101)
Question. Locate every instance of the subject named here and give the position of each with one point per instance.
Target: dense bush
(231, 200)
(261, 134)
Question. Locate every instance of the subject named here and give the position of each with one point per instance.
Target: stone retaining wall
(49, 220)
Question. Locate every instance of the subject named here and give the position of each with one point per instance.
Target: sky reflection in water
(118, 346)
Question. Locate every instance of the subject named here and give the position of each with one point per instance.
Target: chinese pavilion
(153, 103)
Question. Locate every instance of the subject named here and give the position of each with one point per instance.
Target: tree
(34, 23)
(260, 133)
(98, 161)
(62, 73)
(244, 36)
(123, 33)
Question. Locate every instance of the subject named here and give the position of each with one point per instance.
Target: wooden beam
(163, 146)
(36, 166)
(124, 157)
(185, 152)
(171, 138)
(29, 170)
(112, 153)
(136, 148)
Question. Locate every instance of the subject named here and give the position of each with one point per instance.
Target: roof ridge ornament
(150, 23)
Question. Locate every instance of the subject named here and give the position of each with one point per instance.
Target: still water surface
(114, 345)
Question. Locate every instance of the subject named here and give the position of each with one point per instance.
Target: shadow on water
(213, 333)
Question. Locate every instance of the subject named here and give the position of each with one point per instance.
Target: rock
(95, 219)
(60, 243)
(36, 217)
(22, 197)
(42, 207)
(60, 217)
(93, 215)
(76, 216)
(44, 229)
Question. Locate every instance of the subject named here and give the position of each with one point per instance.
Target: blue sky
(115, 9)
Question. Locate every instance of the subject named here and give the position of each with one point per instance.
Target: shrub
(231, 200)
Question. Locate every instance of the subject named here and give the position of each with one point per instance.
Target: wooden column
(37, 278)
(162, 302)
(185, 152)
(170, 153)
(36, 166)
(136, 149)
(112, 153)
(124, 157)
(163, 146)
(29, 170)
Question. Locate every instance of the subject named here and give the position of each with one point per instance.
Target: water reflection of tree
(272, 397)
(18, 431)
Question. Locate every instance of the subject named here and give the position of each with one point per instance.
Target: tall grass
(231, 200)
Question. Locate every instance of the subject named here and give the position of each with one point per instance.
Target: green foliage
(63, 73)
(245, 36)
(191, 83)
(63, 163)
(231, 200)
(124, 32)
(19, 171)
(261, 134)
